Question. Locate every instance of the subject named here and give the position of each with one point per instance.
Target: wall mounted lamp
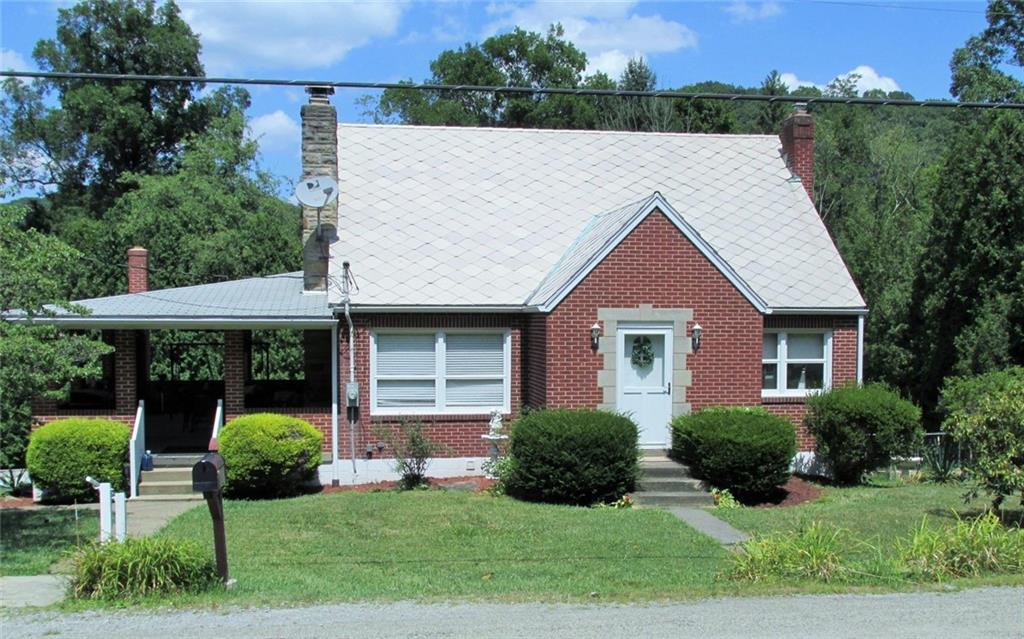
(595, 333)
(695, 334)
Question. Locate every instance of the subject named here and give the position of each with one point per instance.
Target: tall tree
(634, 113)
(978, 67)
(516, 59)
(771, 114)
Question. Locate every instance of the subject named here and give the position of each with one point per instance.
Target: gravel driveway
(989, 612)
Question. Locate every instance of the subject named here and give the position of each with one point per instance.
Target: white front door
(645, 381)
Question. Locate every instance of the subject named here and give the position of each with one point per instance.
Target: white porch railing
(218, 423)
(137, 448)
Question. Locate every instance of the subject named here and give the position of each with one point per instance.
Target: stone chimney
(319, 157)
(798, 145)
(138, 270)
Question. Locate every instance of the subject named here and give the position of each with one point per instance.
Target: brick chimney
(138, 270)
(319, 157)
(798, 145)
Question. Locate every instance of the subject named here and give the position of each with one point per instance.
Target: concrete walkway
(710, 525)
(147, 517)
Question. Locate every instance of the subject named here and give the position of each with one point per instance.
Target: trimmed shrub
(140, 567)
(746, 451)
(269, 455)
(61, 453)
(858, 429)
(578, 457)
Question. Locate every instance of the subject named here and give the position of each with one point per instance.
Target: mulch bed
(793, 492)
(468, 483)
(16, 502)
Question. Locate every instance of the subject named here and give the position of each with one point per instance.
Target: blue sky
(892, 44)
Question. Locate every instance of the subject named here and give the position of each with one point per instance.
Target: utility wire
(472, 88)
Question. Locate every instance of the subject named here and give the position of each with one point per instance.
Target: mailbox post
(208, 478)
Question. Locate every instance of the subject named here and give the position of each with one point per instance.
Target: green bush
(747, 451)
(985, 414)
(269, 455)
(860, 428)
(813, 552)
(413, 449)
(971, 548)
(578, 457)
(61, 454)
(140, 567)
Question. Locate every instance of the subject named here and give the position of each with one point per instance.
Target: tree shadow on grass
(1011, 517)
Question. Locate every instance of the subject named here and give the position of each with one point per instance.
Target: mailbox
(208, 474)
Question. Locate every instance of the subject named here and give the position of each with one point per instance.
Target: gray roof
(451, 217)
(275, 300)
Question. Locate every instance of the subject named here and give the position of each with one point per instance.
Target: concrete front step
(189, 497)
(644, 498)
(147, 488)
(176, 460)
(670, 485)
(667, 469)
(173, 473)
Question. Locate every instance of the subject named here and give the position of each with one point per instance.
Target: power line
(905, 7)
(472, 88)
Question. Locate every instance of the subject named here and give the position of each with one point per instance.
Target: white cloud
(609, 32)
(742, 11)
(271, 35)
(869, 79)
(12, 60)
(275, 131)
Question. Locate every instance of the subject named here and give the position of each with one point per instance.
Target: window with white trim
(455, 371)
(796, 362)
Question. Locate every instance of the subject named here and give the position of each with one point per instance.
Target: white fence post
(105, 515)
(120, 517)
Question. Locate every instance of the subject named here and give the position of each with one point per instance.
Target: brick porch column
(126, 393)
(234, 372)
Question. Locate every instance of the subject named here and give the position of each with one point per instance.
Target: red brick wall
(535, 362)
(656, 264)
(138, 270)
(797, 139)
(461, 433)
(844, 365)
(125, 372)
(235, 368)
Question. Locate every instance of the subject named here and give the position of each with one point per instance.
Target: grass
(440, 545)
(33, 539)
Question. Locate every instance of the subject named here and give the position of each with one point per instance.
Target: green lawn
(437, 545)
(32, 539)
(877, 513)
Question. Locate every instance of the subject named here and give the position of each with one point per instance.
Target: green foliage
(724, 499)
(141, 567)
(971, 548)
(37, 359)
(812, 552)
(747, 451)
(860, 428)
(968, 298)
(578, 457)
(980, 66)
(941, 460)
(412, 449)
(269, 455)
(986, 414)
(61, 454)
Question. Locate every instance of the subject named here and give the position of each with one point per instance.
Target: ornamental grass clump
(971, 548)
(141, 567)
(814, 552)
(62, 453)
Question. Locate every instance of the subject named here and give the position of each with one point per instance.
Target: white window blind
(442, 372)
(795, 362)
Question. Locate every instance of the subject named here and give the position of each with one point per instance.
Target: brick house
(464, 271)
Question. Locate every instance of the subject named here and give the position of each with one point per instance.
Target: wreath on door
(643, 352)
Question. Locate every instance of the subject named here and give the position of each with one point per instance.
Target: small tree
(413, 450)
(986, 413)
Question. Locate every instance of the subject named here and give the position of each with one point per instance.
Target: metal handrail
(137, 448)
(218, 423)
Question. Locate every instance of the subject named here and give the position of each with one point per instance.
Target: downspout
(860, 349)
(335, 465)
(351, 411)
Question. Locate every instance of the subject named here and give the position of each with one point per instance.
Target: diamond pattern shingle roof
(437, 216)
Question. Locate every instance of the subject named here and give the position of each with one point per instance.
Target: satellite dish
(317, 191)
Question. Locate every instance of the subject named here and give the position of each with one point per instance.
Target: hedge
(269, 455)
(745, 450)
(858, 429)
(61, 453)
(578, 457)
